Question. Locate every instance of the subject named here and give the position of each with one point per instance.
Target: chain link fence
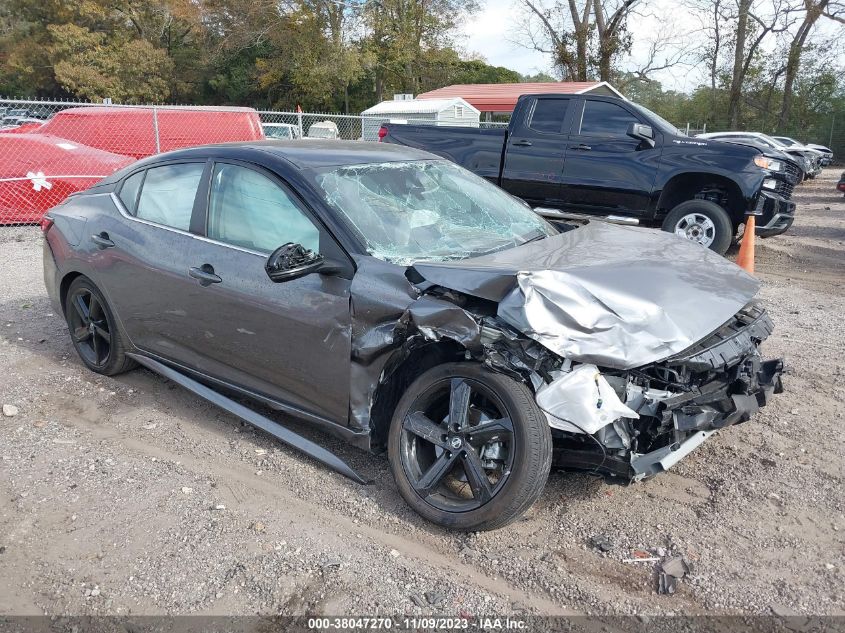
(51, 149)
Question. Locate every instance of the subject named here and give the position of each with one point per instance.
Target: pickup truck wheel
(469, 448)
(703, 222)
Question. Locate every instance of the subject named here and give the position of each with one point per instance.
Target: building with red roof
(503, 97)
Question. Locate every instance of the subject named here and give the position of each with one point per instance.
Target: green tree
(92, 67)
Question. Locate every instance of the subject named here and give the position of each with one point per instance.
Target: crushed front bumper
(776, 214)
(719, 382)
(697, 419)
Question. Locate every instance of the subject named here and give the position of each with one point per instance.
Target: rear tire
(703, 222)
(457, 426)
(93, 329)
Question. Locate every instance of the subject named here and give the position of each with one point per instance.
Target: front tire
(469, 448)
(703, 222)
(93, 329)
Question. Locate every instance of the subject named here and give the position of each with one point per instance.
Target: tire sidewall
(720, 218)
(526, 422)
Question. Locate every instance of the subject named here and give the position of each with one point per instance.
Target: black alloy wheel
(457, 445)
(93, 329)
(469, 448)
(89, 327)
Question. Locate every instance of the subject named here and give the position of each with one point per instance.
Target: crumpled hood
(615, 296)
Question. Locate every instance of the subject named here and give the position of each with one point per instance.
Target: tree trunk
(814, 11)
(739, 58)
(608, 32)
(582, 35)
(714, 61)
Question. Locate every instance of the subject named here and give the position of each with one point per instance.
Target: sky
(491, 33)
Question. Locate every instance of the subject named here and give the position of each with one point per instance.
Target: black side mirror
(291, 261)
(642, 132)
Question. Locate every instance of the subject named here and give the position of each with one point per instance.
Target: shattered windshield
(427, 210)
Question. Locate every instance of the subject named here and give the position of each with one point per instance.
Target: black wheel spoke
(81, 308)
(102, 332)
(476, 475)
(435, 473)
(95, 311)
(95, 346)
(459, 403)
(81, 334)
(421, 425)
(491, 430)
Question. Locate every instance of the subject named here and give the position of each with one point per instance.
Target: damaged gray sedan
(402, 303)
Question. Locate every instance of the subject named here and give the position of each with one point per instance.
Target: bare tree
(609, 29)
(570, 31)
(814, 9)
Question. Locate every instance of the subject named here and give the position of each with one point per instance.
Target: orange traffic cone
(745, 259)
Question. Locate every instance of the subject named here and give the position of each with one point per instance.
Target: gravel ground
(132, 496)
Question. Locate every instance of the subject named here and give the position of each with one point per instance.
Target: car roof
(306, 153)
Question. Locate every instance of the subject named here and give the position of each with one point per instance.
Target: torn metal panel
(581, 401)
(584, 296)
(437, 319)
(380, 296)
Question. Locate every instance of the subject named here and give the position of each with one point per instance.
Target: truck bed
(479, 150)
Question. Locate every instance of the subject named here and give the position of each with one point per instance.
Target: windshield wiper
(537, 237)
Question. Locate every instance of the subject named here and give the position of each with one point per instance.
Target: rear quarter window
(129, 191)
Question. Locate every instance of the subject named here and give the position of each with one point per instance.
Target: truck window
(548, 115)
(605, 119)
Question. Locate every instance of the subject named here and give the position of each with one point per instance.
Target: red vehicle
(38, 171)
(132, 131)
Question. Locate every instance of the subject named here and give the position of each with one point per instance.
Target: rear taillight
(46, 223)
(382, 132)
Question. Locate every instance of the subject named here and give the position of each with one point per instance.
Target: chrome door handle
(102, 240)
(583, 148)
(523, 143)
(205, 275)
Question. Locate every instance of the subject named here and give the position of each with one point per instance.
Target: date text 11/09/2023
(416, 623)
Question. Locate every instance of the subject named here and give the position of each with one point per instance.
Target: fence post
(155, 128)
(687, 128)
(299, 121)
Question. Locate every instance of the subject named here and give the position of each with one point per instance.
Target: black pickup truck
(611, 157)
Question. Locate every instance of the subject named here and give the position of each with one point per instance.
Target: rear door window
(602, 118)
(168, 193)
(548, 115)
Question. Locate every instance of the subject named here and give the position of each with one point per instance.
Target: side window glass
(606, 119)
(129, 191)
(548, 115)
(248, 209)
(167, 196)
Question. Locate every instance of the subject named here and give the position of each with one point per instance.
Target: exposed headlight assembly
(764, 162)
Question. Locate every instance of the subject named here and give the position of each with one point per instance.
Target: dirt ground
(132, 496)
